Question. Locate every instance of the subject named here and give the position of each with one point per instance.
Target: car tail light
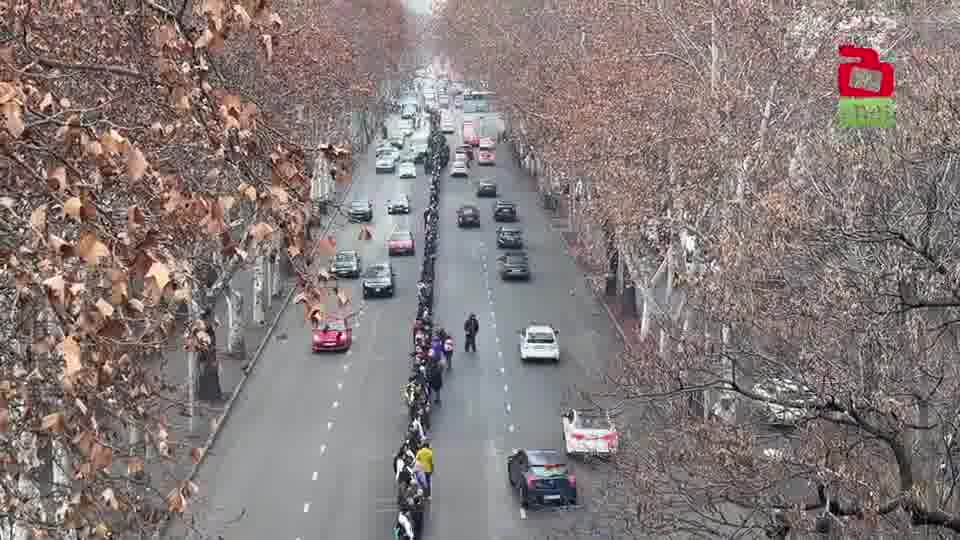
(531, 481)
(340, 337)
(610, 437)
(572, 480)
(577, 436)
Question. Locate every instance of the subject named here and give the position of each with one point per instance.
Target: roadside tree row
(826, 257)
(147, 152)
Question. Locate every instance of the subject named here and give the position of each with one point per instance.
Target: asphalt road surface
(492, 402)
(306, 453)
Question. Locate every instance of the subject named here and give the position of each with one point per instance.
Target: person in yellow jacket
(425, 461)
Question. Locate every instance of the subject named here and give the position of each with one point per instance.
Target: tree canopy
(828, 255)
(138, 138)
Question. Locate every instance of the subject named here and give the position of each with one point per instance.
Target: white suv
(539, 342)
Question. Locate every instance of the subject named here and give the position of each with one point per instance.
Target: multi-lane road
(306, 453)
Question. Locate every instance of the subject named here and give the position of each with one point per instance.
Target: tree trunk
(276, 286)
(259, 310)
(192, 374)
(235, 327)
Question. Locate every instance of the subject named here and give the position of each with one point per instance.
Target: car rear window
(517, 260)
(345, 256)
(549, 471)
(336, 326)
(359, 206)
(592, 422)
(399, 236)
(539, 337)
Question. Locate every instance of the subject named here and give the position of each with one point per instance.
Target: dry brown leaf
(365, 233)
(54, 423)
(136, 162)
(73, 207)
(160, 273)
(327, 246)
(226, 203)
(38, 219)
(110, 498)
(196, 455)
(101, 457)
(91, 249)
(241, 12)
(135, 465)
(176, 502)
(250, 192)
(58, 286)
(102, 531)
(104, 308)
(46, 102)
(71, 351)
(261, 231)
(13, 118)
(4, 418)
(59, 175)
(136, 305)
(7, 202)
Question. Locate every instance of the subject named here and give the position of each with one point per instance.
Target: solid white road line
(523, 515)
(506, 388)
(508, 407)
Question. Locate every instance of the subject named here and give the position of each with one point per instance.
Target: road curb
(228, 408)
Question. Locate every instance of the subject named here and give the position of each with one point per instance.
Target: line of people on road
(432, 353)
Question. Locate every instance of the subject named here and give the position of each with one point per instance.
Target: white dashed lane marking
(523, 515)
(315, 476)
(306, 507)
(323, 450)
(329, 426)
(336, 405)
(508, 407)
(339, 385)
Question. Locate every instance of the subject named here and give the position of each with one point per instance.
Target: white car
(783, 390)
(539, 342)
(387, 160)
(586, 432)
(407, 170)
(446, 125)
(459, 168)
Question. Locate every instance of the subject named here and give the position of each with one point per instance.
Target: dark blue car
(542, 477)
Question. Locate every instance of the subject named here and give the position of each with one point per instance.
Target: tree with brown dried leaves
(124, 160)
(829, 257)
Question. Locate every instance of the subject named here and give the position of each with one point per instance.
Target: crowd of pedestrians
(413, 464)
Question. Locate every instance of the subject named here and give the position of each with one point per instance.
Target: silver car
(459, 168)
(407, 170)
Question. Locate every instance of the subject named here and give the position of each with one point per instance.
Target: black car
(400, 205)
(509, 237)
(504, 211)
(378, 280)
(542, 477)
(514, 265)
(468, 216)
(486, 188)
(346, 264)
(360, 211)
(419, 151)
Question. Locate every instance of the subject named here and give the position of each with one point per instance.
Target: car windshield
(399, 236)
(376, 272)
(360, 205)
(515, 260)
(510, 233)
(592, 422)
(468, 210)
(346, 257)
(332, 326)
(539, 337)
(549, 471)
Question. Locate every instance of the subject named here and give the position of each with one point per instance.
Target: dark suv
(504, 211)
(468, 216)
(378, 280)
(486, 188)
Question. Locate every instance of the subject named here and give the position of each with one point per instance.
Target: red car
(486, 156)
(332, 335)
(401, 242)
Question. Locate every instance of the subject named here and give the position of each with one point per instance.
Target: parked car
(509, 238)
(346, 264)
(386, 160)
(468, 216)
(486, 156)
(378, 280)
(486, 188)
(514, 265)
(332, 335)
(360, 211)
(784, 390)
(542, 477)
(504, 211)
(401, 243)
(539, 342)
(400, 205)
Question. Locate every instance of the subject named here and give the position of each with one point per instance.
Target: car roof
(540, 328)
(379, 266)
(546, 457)
(488, 182)
(401, 231)
(505, 203)
(360, 203)
(510, 229)
(468, 207)
(351, 252)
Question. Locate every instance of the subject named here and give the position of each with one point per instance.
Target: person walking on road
(448, 351)
(435, 375)
(425, 462)
(470, 328)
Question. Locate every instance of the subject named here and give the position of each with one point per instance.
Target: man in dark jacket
(470, 328)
